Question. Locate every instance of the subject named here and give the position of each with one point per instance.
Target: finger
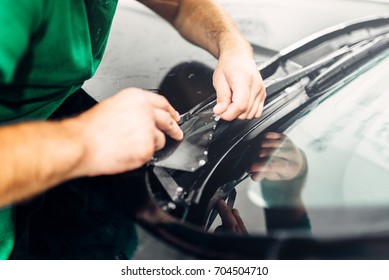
(274, 135)
(258, 176)
(276, 140)
(159, 139)
(274, 164)
(279, 146)
(266, 153)
(219, 229)
(260, 165)
(160, 102)
(260, 109)
(262, 94)
(256, 96)
(223, 94)
(239, 220)
(227, 217)
(167, 124)
(232, 112)
(255, 108)
(240, 99)
(252, 96)
(272, 143)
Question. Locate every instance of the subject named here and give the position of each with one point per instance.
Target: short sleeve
(18, 21)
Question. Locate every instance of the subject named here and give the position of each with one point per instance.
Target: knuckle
(166, 121)
(242, 107)
(146, 154)
(161, 143)
(235, 228)
(162, 100)
(170, 124)
(134, 95)
(242, 117)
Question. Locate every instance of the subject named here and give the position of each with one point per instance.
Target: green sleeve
(7, 232)
(19, 20)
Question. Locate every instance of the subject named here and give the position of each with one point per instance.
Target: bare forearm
(239, 87)
(119, 134)
(205, 24)
(202, 22)
(36, 156)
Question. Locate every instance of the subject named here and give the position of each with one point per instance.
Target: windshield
(327, 174)
(315, 163)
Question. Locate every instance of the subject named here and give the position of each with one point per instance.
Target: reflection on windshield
(322, 171)
(279, 159)
(344, 188)
(281, 168)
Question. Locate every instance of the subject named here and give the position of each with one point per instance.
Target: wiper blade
(346, 65)
(373, 27)
(274, 87)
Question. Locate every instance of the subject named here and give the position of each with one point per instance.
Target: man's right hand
(123, 132)
(117, 135)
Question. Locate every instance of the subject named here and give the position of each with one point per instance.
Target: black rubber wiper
(275, 87)
(372, 27)
(346, 65)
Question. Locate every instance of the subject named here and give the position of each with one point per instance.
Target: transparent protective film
(190, 153)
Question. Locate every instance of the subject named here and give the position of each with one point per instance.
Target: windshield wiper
(347, 34)
(346, 65)
(276, 86)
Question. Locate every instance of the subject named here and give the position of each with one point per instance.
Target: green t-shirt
(48, 48)
(7, 232)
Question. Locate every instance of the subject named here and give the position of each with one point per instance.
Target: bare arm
(202, 22)
(37, 155)
(238, 84)
(117, 135)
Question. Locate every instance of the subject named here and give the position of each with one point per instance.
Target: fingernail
(216, 109)
(219, 108)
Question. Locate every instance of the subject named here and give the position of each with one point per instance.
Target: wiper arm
(277, 86)
(373, 27)
(347, 65)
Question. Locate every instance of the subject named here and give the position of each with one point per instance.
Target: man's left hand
(239, 86)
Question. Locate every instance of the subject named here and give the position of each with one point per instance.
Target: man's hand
(239, 86)
(278, 160)
(231, 220)
(119, 134)
(123, 132)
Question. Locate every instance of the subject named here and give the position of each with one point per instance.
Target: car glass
(268, 164)
(347, 64)
(325, 175)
